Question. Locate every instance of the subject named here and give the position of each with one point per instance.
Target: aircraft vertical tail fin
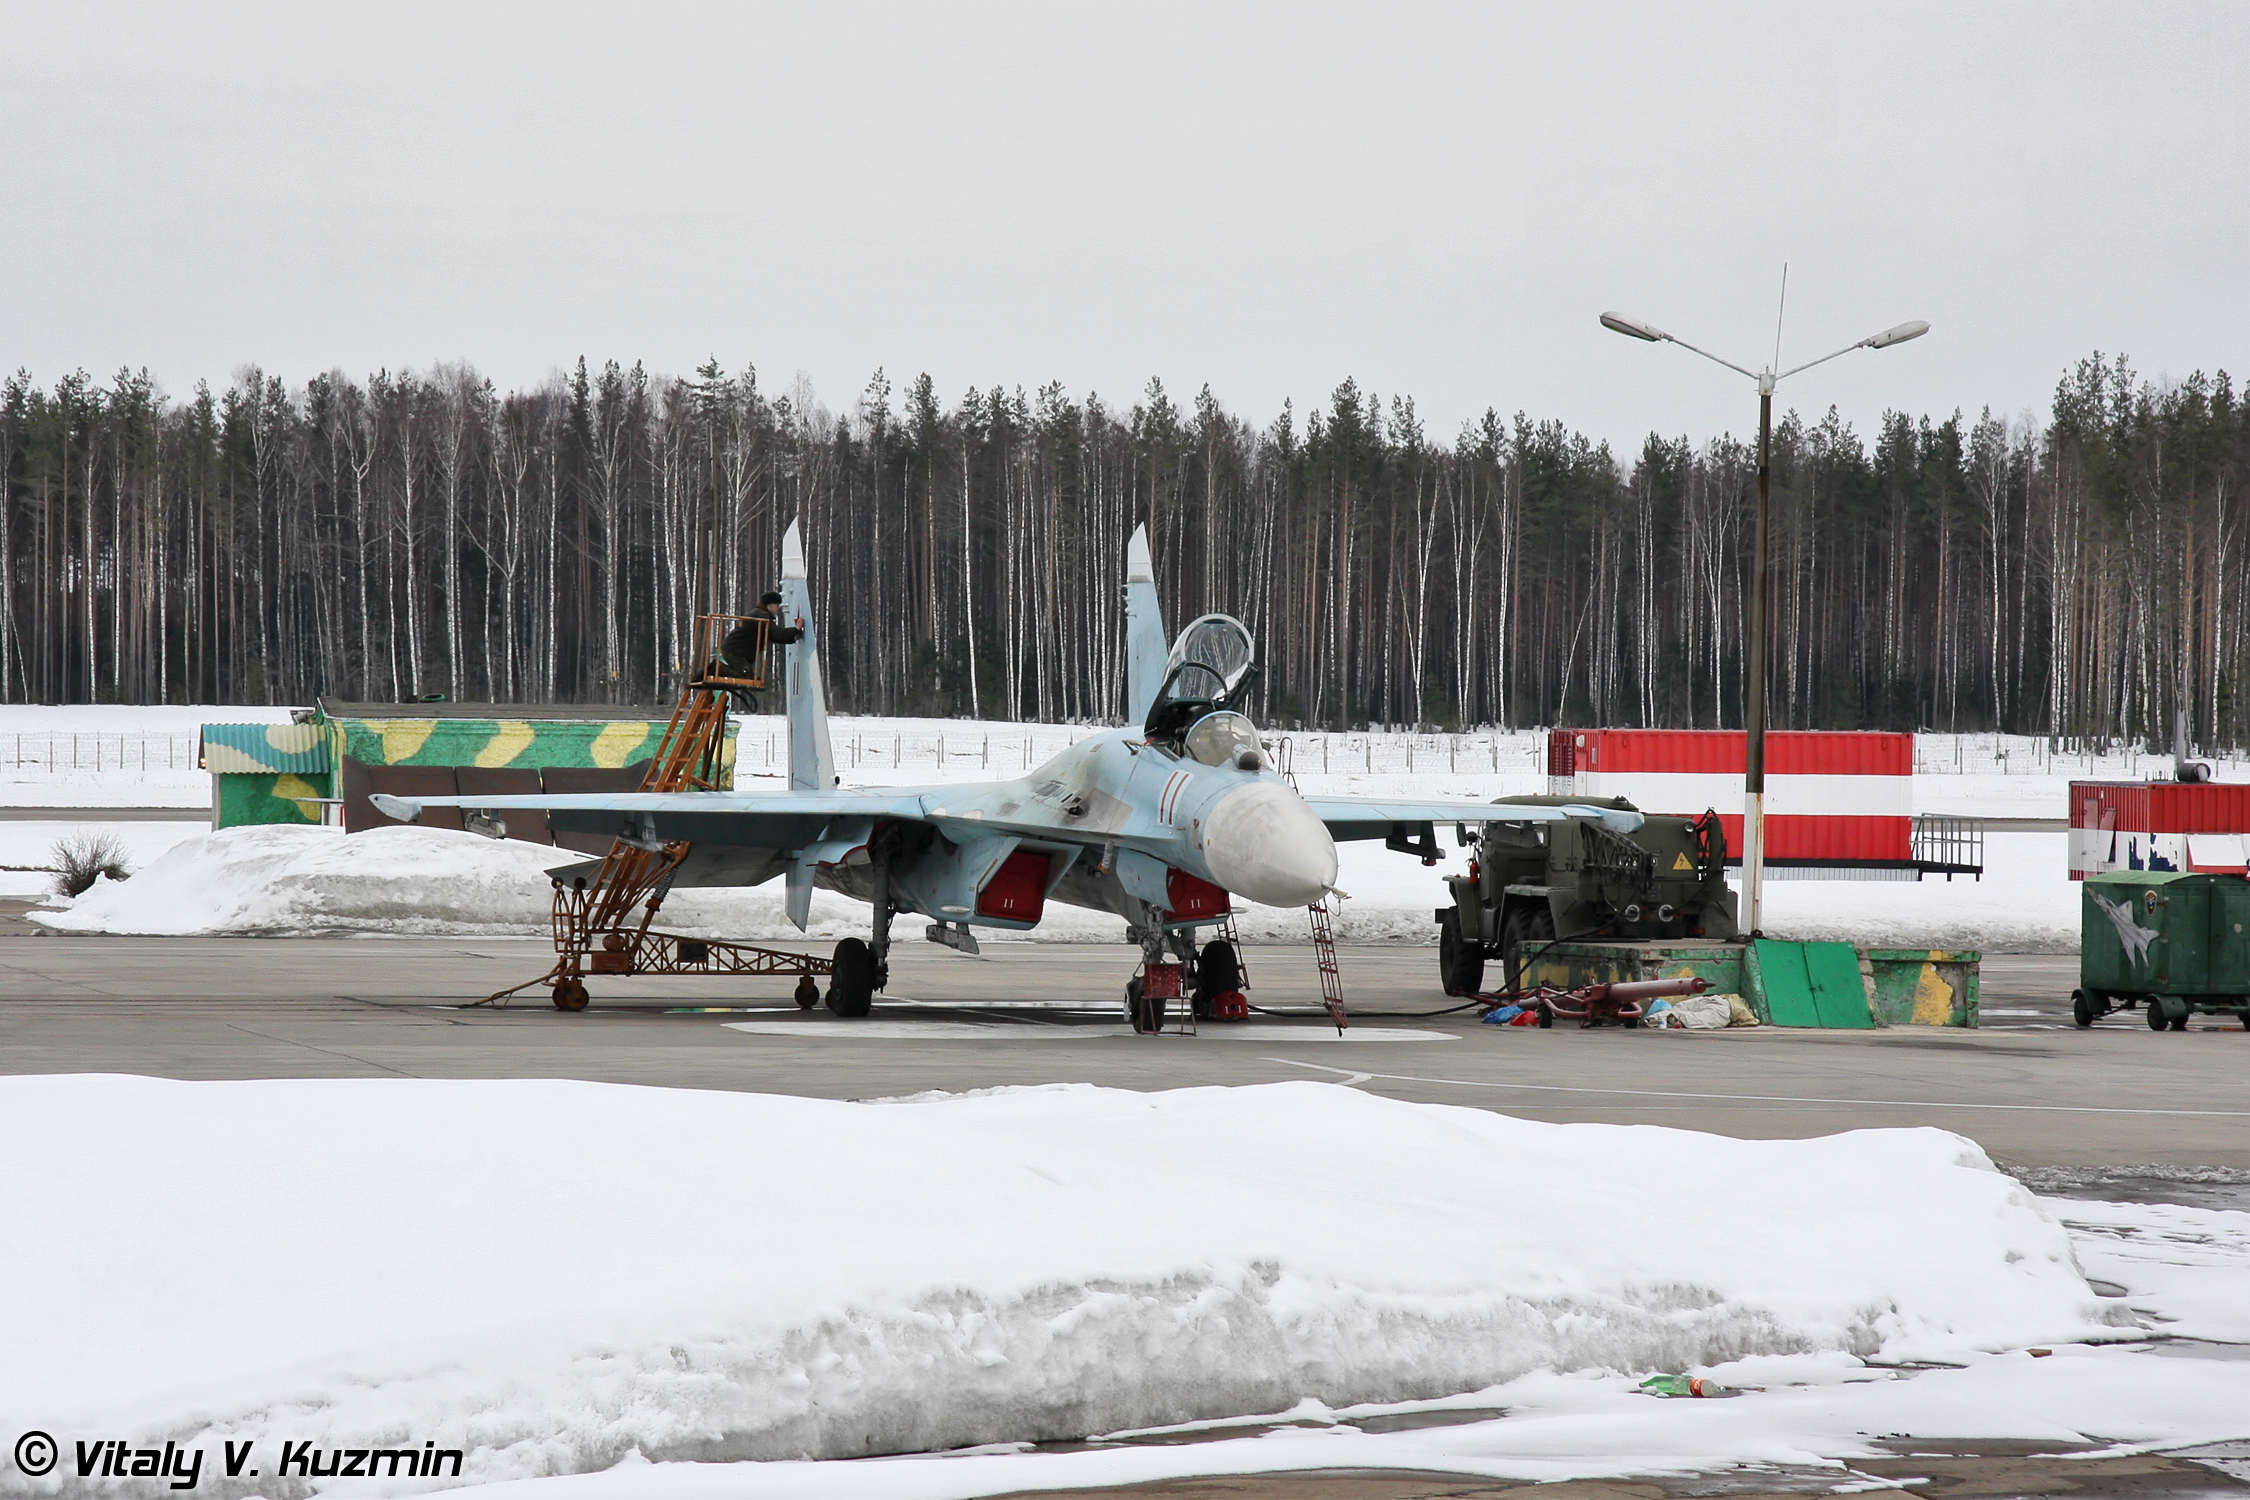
(812, 763)
(1145, 648)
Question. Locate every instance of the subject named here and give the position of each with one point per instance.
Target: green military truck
(2172, 942)
(1532, 882)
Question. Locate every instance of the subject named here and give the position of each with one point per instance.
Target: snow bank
(554, 1274)
(278, 879)
(1816, 1412)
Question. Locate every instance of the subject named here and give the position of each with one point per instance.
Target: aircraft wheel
(2081, 1009)
(1146, 1015)
(1218, 969)
(1460, 964)
(2156, 1019)
(570, 994)
(2179, 1022)
(851, 989)
(808, 992)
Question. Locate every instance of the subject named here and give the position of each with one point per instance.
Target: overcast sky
(1436, 200)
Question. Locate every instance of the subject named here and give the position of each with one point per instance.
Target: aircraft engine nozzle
(1262, 843)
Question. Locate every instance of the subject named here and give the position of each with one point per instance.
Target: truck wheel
(1460, 964)
(2155, 1009)
(1525, 926)
(2081, 1009)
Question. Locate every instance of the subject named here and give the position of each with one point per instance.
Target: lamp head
(1898, 335)
(1631, 329)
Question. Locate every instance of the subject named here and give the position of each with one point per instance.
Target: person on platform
(738, 650)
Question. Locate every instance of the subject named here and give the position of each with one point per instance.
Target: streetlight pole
(1754, 686)
(1761, 590)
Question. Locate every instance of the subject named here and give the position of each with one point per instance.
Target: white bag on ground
(1701, 1013)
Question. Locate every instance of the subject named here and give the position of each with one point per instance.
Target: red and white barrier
(2158, 825)
(1832, 799)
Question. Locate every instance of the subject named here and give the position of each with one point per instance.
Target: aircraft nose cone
(1262, 843)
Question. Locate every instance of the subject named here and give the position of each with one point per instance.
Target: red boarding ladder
(602, 925)
(1323, 930)
(1324, 952)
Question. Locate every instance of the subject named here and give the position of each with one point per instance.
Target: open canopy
(1211, 663)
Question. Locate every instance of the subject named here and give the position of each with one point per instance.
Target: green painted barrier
(1808, 984)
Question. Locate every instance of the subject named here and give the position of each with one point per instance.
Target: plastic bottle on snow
(1683, 1385)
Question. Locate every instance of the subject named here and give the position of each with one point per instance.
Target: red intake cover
(1017, 891)
(1191, 898)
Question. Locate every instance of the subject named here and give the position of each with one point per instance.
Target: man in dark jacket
(738, 651)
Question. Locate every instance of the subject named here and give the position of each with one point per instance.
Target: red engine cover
(1192, 898)
(1017, 891)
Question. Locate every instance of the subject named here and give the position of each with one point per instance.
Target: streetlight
(1754, 711)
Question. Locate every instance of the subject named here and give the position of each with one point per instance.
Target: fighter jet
(1165, 822)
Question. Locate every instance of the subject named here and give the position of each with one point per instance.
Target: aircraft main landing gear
(851, 987)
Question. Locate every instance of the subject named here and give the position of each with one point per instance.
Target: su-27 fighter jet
(1163, 822)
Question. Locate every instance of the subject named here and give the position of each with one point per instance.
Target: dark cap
(770, 599)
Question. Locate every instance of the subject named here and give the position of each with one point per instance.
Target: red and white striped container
(1839, 799)
(2158, 825)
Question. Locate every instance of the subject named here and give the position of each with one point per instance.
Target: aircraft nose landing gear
(1148, 995)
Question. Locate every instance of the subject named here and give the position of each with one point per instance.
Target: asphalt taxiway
(2031, 1088)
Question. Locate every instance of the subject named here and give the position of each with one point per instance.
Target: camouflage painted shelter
(337, 754)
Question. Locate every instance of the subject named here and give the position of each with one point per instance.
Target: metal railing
(1949, 845)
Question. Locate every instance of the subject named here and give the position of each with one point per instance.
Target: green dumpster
(2171, 942)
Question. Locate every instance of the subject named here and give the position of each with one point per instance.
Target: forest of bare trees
(2078, 575)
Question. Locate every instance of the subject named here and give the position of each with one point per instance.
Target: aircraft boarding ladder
(1323, 929)
(602, 920)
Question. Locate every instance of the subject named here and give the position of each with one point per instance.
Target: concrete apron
(1828, 985)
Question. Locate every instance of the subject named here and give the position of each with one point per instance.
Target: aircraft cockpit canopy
(1212, 663)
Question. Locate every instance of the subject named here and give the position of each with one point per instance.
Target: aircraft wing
(1374, 817)
(773, 820)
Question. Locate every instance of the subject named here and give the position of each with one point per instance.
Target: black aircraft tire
(2081, 1009)
(1146, 1015)
(1218, 969)
(851, 988)
(2156, 1020)
(1460, 964)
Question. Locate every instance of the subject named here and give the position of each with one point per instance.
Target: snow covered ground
(31, 842)
(128, 756)
(575, 1279)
